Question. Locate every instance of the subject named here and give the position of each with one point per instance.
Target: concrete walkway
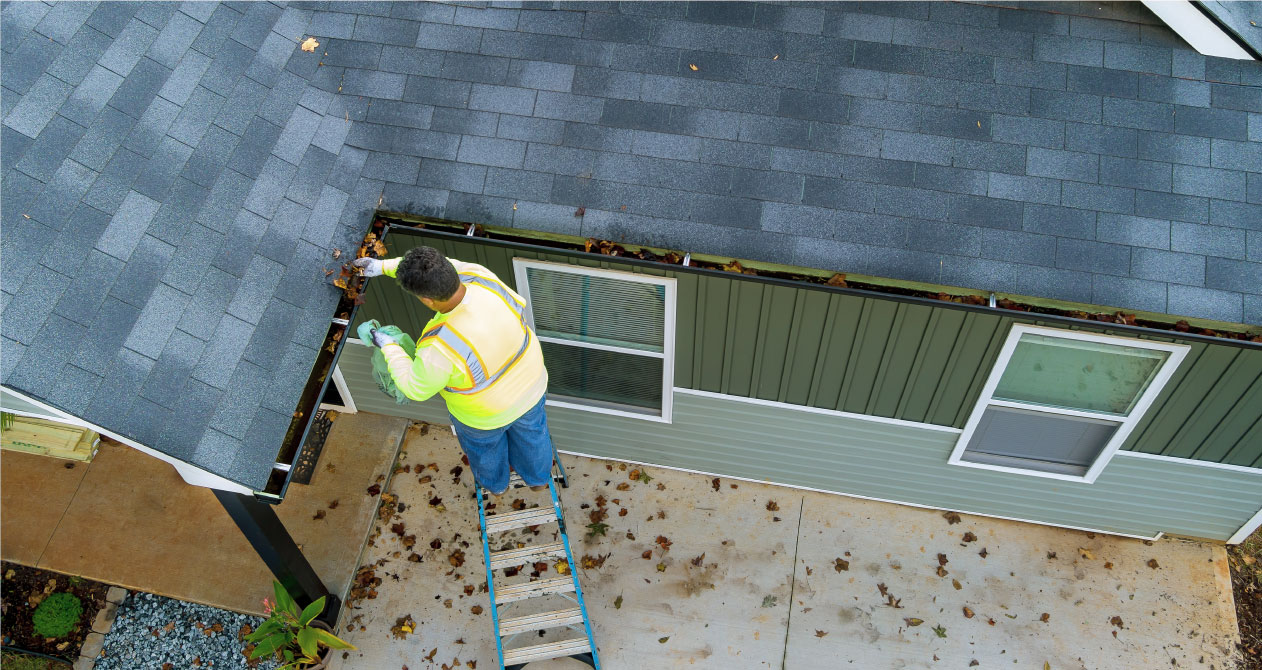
(128, 519)
(760, 576)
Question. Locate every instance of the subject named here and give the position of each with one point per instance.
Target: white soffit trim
(1204, 35)
(1247, 529)
(1158, 536)
(188, 472)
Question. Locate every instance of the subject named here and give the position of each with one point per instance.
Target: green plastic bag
(380, 370)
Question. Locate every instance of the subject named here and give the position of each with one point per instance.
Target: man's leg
(488, 455)
(530, 447)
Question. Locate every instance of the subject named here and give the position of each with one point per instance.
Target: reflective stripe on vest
(462, 348)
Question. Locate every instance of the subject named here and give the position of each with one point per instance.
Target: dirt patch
(1246, 585)
(24, 588)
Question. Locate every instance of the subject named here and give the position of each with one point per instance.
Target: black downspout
(260, 525)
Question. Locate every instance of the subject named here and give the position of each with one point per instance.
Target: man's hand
(369, 267)
(381, 339)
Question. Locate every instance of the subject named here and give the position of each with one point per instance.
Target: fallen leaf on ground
(772, 506)
(820, 633)
(309, 45)
(956, 584)
(942, 572)
(1117, 621)
(318, 515)
(617, 603)
(715, 483)
(698, 560)
(1086, 554)
(1108, 565)
(983, 553)
(562, 567)
(942, 559)
(970, 537)
(913, 621)
(840, 564)
(968, 613)
(662, 640)
(952, 518)
(456, 558)
(375, 489)
(1045, 618)
(692, 67)
(769, 601)
(648, 553)
(661, 567)
(476, 609)
(1152, 563)
(594, 529)
(939, 630)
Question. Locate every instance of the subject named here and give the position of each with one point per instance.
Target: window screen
(1038, 440)
(606, 336)
(1059, 402)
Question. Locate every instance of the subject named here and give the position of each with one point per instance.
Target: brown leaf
(476, 609)
(968, 612)
(309, 45)
(1085, 554)
(772, 506)
(334, 503)
(456, 558)
(837, 279)
(820, 633)
(1108, 565)
(942, 572)
(692, 67)
(983, 553)
(951, 517)
(1045, 618)
(374, 489)
(714, 483)
(617, 603)
(841, 564)
(435, 543)
(912, 621)
(956, 584)
(942, 559)
(1051, 555)
(379, 248)
(623, 486)
(663, 542)
(1152, 563)
(318, 515)
(398, 529)
(970, 537)
(698, 560)
(580, 212)
(414, 558)
(648, 553)
(1117, 621)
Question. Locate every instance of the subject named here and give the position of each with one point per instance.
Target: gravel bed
(140, 639)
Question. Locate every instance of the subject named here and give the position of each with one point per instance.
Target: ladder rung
(525, 624)
(542, 652)
(511, 557)
(519, 519)
(526, 590)
(515, 479)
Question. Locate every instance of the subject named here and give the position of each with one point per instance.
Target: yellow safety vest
(487, 336)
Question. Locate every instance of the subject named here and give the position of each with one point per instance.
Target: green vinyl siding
(876, 356)
(897, 462)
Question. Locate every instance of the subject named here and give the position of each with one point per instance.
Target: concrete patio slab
(732, 610)
(34, 493)
(134, 522)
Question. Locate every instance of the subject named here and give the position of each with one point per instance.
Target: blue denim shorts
(524, 444)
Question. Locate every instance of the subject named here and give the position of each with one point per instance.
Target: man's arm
(422, 377)
(373, 267)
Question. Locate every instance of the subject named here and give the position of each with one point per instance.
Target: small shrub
(57, 615)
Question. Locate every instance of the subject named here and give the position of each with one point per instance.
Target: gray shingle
(128, 47)
(1236, 155)
(156, 322)
(1137, 174)
(60, 197)
(296, 136)
(127, 226)
(1100, 198)
(223, 350)
(1205, 303)
(1174, 91)
(1128, 293)
(1138, 58)
(109, 329)
(144, 271)
(152, 127)
(27, 63)
(1066, 106)
(1209, 182)
(1069, 50)
(210, 157)
(1094, 257)
(172, 42)
(1104, 140)
(196, 116)
(1176, 148)
(1228, 124)
(1062, 164)
(24, 315)
(1207, 240)
(1014, 246)
(1060, 221)
(218, 29)
(332, 24)
(1135, 231)
(1226, 213)
(257, 286)
(64, 20)
(1016, 187)
(1171, 206)
(163, 167)
(38, 106)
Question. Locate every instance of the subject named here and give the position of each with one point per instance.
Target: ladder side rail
(490, 575)
(578, 589)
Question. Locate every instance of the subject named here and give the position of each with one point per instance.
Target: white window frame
(521, 265)
(339, 382)
(1127, 424)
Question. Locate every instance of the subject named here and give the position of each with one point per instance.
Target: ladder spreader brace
(506, 629)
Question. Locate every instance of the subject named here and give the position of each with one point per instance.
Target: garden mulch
(24, 588)
(1246, 585)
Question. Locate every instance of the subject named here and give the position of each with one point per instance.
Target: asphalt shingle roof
(175, 176)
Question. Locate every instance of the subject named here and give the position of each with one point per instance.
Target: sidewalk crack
(793, 582)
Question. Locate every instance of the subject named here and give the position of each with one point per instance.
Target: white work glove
(369, 267)
(380, 339)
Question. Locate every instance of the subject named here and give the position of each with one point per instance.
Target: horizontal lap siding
(783, 445)
(878, 357)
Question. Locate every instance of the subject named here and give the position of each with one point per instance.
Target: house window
(608, 337)
(1060, 403)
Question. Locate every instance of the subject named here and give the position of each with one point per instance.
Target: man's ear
(428, 303)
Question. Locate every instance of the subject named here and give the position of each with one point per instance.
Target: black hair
(426, 273)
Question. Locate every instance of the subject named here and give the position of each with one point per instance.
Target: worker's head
(426, 273)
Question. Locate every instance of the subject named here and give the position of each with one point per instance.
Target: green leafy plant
(6, 420)
(288, 634)
(57, 615)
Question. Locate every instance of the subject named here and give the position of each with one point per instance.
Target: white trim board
(1189, 461)
(1197, 29)
(1247, 529)
(188, 472)
(667, 355)
(860, 497)
(1126, 424)
(339, 382)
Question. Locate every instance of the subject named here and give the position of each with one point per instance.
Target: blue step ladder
(507, 629)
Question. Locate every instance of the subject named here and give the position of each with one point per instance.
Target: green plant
(12, 660)
(57, 615)
(6, 420)
(288, 634)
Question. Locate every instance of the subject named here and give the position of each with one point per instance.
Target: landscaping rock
(92, 645)
(150, 630)
(105, 618)
(116, 595)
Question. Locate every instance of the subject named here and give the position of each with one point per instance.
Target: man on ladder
(480, 355)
